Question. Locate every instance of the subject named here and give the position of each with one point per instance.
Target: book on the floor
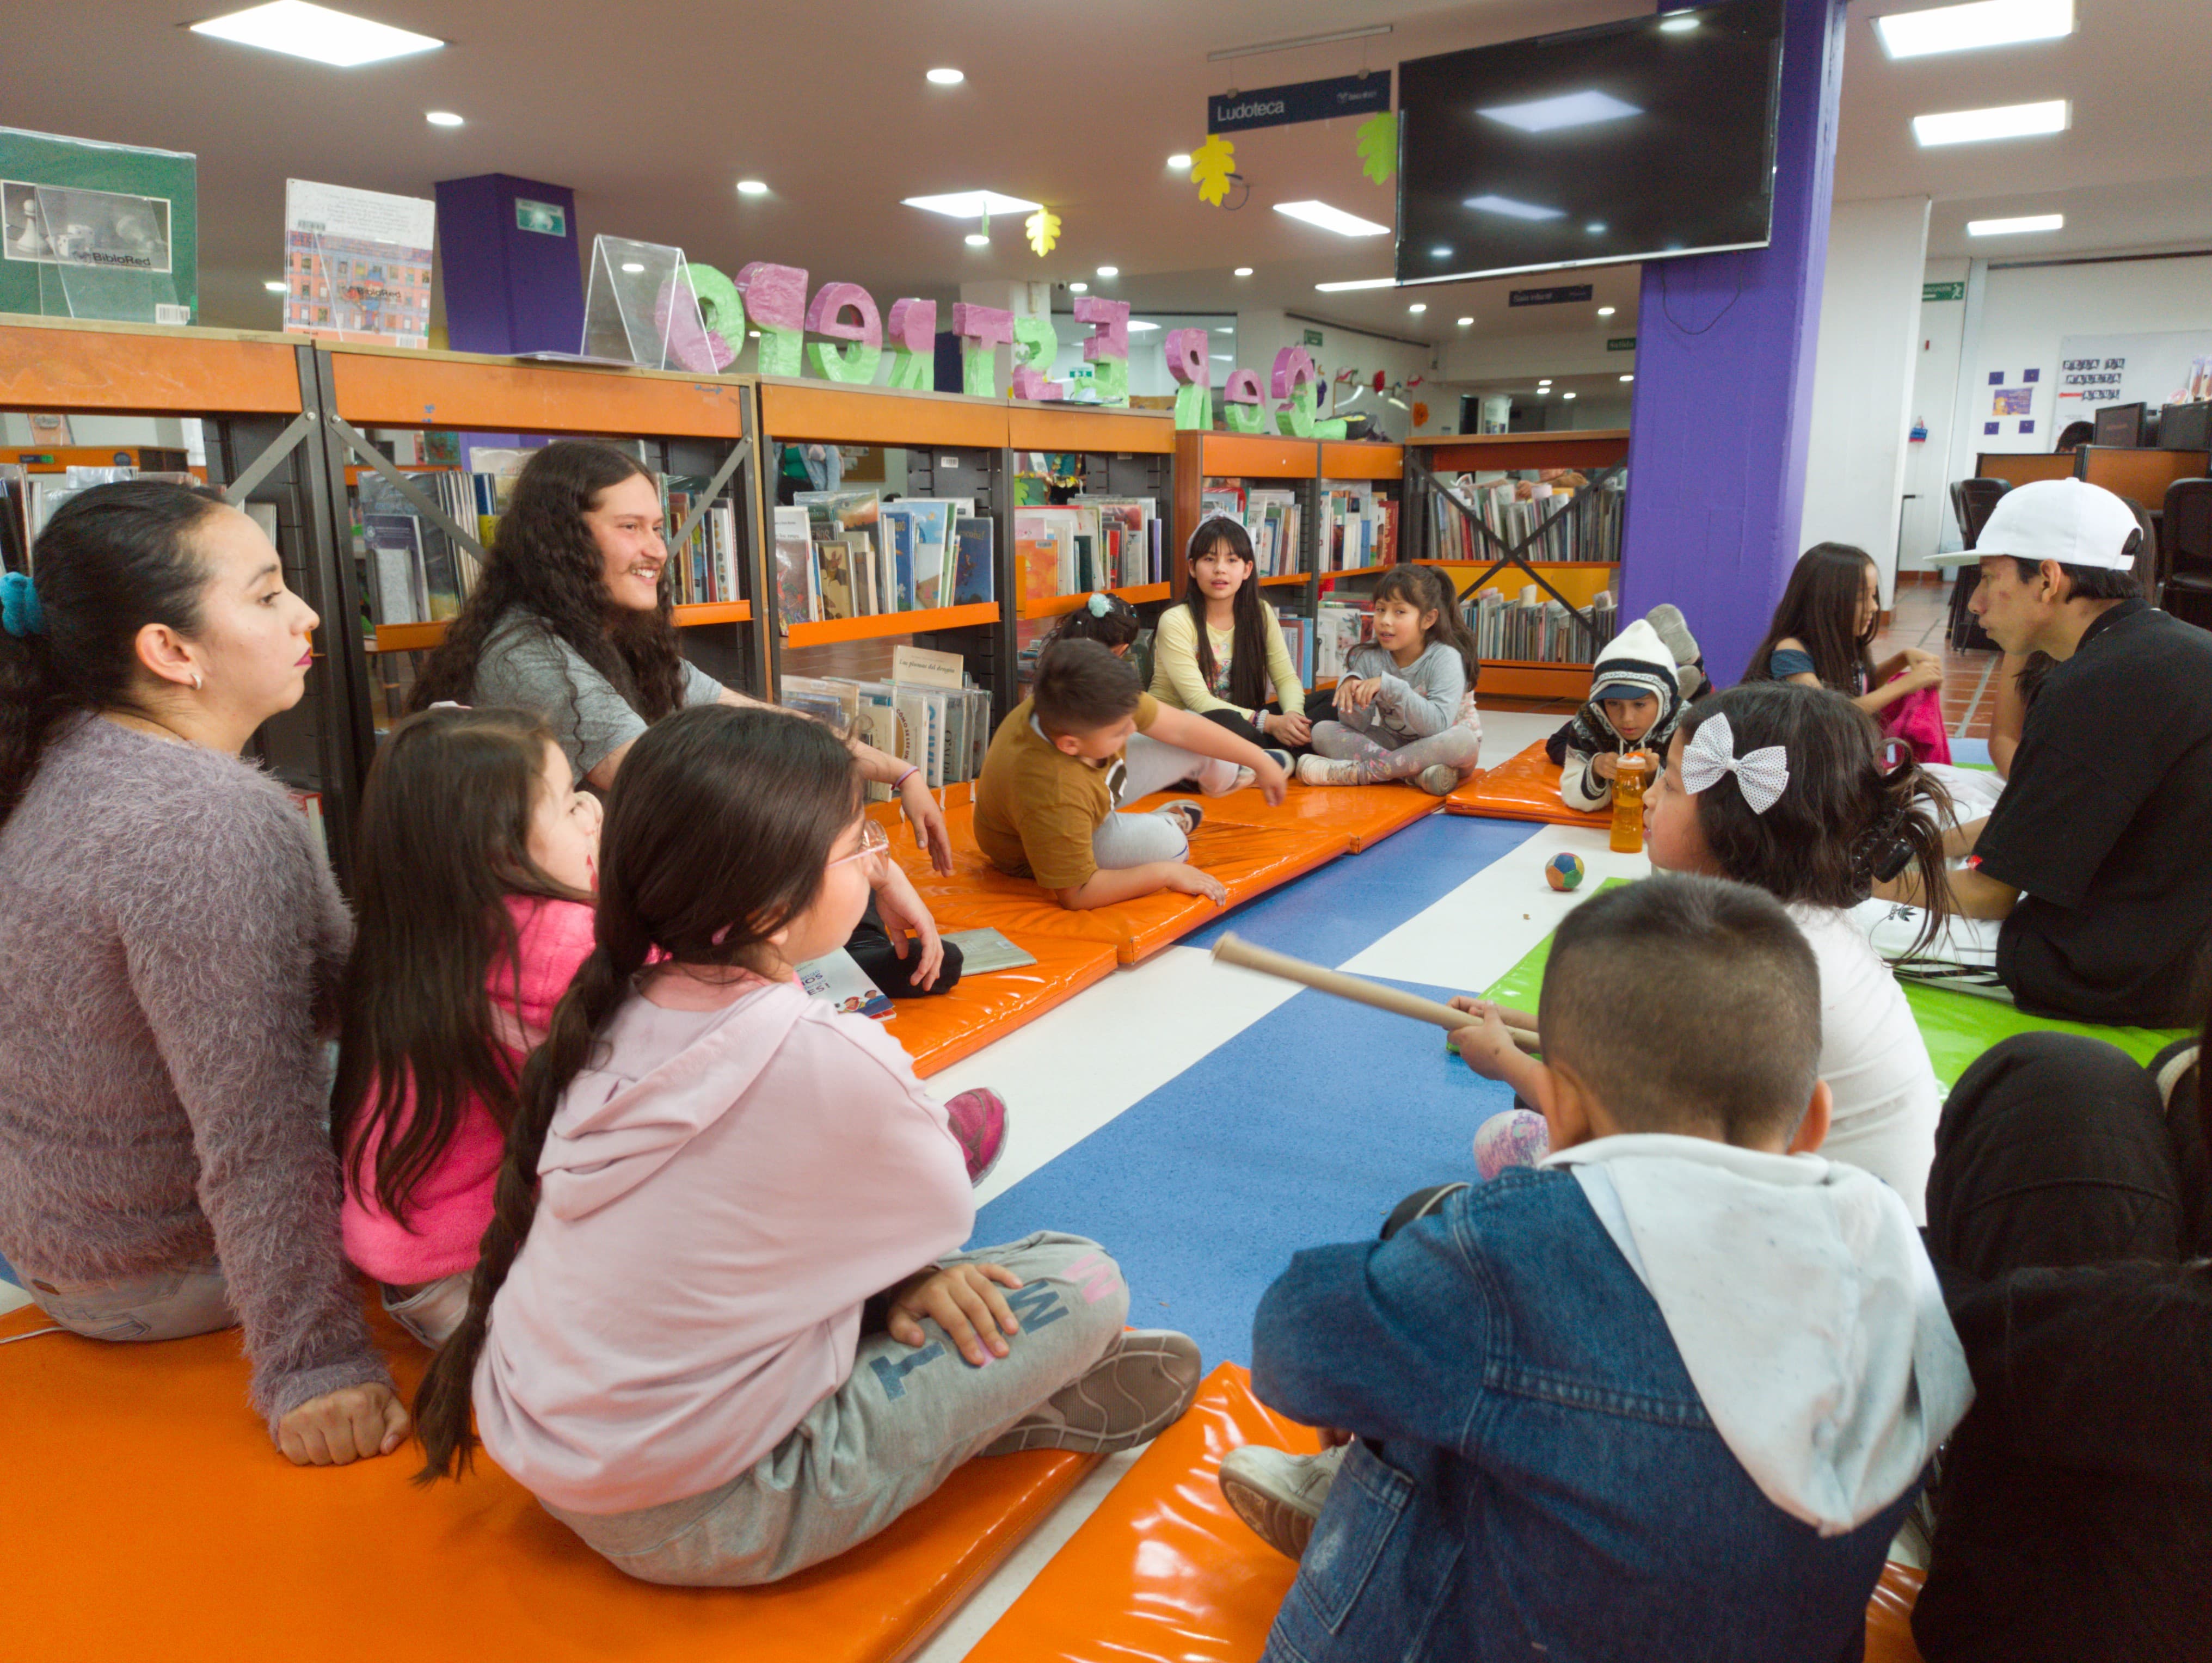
(837, 977)
(982, 951)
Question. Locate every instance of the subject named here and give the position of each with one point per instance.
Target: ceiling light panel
(1548, 115)
(1357, 283)
(1969, 29)
(1332, 219)
(970, 205)
(301, 30)
(2009, 227)
(2006, 121)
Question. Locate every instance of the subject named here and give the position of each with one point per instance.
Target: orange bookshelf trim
(1256, 456)
(713, 611)
(1136, 595)
(1352, 459)
(1287, 576)
(421, 637)
(59, 364)
(1051, 426)
(481, 394)
(881, 624)
(1537, 565)
(826, 412)
(1594, 447)
(1366, 570)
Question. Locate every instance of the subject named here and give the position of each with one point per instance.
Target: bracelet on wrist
(899, 784)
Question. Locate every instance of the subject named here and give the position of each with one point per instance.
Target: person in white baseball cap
(2095, 856)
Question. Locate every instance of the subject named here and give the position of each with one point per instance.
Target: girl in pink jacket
(721, 1326)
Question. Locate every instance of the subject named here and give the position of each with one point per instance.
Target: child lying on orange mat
(1088, 739)
(1668, 1395)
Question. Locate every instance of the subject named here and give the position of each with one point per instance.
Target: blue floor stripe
(1306, 1128)
(1328, 916)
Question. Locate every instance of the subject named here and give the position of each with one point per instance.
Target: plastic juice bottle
(1628, 783)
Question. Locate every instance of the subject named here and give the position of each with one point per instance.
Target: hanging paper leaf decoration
(1043, 228)
(1210, 164)
(1378, 146)
(1420, 414)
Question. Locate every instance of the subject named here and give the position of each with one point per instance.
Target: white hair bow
(1760, 775)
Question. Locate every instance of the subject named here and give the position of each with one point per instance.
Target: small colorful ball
(1514, 1138)
(1564, 871)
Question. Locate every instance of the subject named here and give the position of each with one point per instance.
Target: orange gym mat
(940, 1030)
(1164, 1573)
(151, 1517)
(1525, 787)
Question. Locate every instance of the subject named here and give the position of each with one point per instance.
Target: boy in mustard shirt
(1086, 740)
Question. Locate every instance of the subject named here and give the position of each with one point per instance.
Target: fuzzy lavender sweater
(169, 942)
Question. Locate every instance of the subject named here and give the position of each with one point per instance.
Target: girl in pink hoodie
(475, 872)
(720, 1328)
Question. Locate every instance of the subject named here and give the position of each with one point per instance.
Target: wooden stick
(1232, 949)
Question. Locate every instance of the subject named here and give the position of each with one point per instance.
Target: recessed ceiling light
(1332, 219)
(1179, 162)
(1543, 392)
(1543, 384)
(1138, 327)
(946, 77)
(977, 240)
(1244, 271)
(2007, 121)
(1628, 378)
(441, 117)
(1595, 228)
(1464, 322)
(1224, 329)
(1492, 203)
(1566, 395)
(633, 265)
(302, 30)
(1078, 289)
(1545, 115)
(1606, 310)
(1418, 306)
(1961, 29)
(751, 187)
(275, 286)
(1110, 270)
(1222, 357)
(2007, 227)
(1677, 26)
(1357, 283)
(970, 205)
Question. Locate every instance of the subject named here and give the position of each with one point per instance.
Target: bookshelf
(1122, 453)
(259, 398)
(1572, 582)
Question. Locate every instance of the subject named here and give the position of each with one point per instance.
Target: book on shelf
(398, 586)
(1561, 519)
(1297, 641)
(943, 729)
(1358, 528)
(1271, 518)
(798, 593)
(870, 558)
(30, 498)
(1340, 625)
(1531, 627)
(705, 568)
(837, 980)
(974, 569)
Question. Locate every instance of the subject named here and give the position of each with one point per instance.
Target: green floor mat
(1957, 1027)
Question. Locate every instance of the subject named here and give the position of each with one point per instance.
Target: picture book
(838, 979)
(975, 570)
(898, 542)
(395, 564)
(798, 600)
(833, 568)
(982, 951)
(1041, 546)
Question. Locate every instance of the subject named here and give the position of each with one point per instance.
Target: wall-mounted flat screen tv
(1639, 140)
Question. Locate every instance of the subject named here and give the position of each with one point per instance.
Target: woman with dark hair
(1221, 655)
(1824, 629)
(170, 944)
(2073, 436)
(572, 621)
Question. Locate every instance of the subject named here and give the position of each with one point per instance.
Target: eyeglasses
(875, 847)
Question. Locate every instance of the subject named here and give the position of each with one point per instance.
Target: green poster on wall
(92, 230)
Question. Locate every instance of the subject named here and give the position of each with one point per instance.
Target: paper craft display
(776, 300)
(914, 344)
(1188, 363)
(1043, 228)
(641, 307)
(1377, 139)
(691, 345)
(1036, 343)
(1296, 384)
(862, 338)
(1243, 408)
(1107, 348)
(721, 308)
(982, 329)
(1212, 166)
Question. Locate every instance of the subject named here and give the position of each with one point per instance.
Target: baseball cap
(1622, 690)
(2068, 520)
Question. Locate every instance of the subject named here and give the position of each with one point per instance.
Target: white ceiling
(652, 109)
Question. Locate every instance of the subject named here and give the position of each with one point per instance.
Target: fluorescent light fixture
(441, 117)
(1418, 306)
(1332, 219)
(752, 187)
(301, 30)
(275, 286)
(977, 240)
(1179, 163)
(1595, 228)
(1440, 252)
(1464, 322)
(2008, 228)
(1138, 326)
(1243, 272)
(1078, 289)
(1110, 270)
(1543, 392)
(2006, 121)
(970, 205)
(946, 77)
(1224, 329)
(1628, 378)
(1544, 384)
(1545, 115)
(1678, 25)
(1605, 312)
(1566, 395)
(633, 265)
(1494, 204)
(1963, 28)
(1357, 283)
(1221, 357)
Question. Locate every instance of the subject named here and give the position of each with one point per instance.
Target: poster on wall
(2172, 367)
(91, 230)
(357, 263)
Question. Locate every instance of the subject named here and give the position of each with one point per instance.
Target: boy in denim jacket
(1666, 1396)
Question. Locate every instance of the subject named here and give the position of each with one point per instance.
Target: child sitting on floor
(1633, 705)
(713, 1325)
(1086, 740)
(1668, 1396)
(473, 875)
(1402, 709)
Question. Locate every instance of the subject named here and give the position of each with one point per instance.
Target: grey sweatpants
(1458, 746)
(903, 1421)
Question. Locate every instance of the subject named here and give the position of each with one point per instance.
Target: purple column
(1724, 353)
(510, 288)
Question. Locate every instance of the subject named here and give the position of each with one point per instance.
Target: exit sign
(1942, 291)
(1621, 343)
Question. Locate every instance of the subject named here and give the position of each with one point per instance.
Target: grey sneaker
(1667, 620)
(1279, 1494)
(1438, 779)
(1133, 1394)
(1322, 771)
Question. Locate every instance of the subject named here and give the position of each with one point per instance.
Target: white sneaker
(1438, 779)
(1130, 1396)
(1279, 1494)
(1321, 771)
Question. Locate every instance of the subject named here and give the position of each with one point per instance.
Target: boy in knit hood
(1667, 1395)
(1635, 700)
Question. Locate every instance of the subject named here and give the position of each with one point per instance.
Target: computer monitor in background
(2120, 426)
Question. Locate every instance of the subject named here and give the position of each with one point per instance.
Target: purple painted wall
(507, 289)
(1724, 353)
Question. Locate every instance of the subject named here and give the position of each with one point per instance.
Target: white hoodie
(718, 1198)
(1804, 1307)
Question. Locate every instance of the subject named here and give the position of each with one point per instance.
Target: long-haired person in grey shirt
(170, 942)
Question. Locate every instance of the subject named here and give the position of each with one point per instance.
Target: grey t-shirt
(525, 665)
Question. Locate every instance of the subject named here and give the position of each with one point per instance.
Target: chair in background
(1971, 502)
(2189, 551)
